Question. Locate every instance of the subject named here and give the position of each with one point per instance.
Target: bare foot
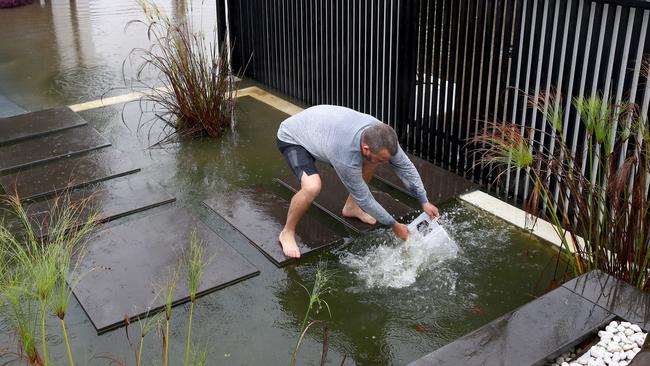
(289, 246)
(358, 213)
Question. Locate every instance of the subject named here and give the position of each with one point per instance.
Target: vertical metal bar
(479, 89)
(448, 91)
(385, 56)
(536, 91)
(469, 161)
(416, 123)
(392, 63)
(529, 61)
(517, 86)
(634, 89)
(461, 37)
(467, 54)
(432, 81)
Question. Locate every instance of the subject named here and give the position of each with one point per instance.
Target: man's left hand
(431, 210)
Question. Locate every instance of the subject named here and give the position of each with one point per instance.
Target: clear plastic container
(426, 226)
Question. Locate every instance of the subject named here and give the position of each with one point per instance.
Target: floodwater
(67, 52)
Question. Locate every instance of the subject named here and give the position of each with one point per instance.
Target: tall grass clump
(320, 288)
(38, 266)
(199, 93)
(595, 195)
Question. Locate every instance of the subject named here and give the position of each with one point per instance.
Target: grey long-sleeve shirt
(332, 134)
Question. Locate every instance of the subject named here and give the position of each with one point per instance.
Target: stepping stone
(46, 148)
(39, 123)
(527, 336)
(333, 195)
(46, 179)
(260, 215)
(110, 200)
(125, 266)
(441, 185)
(617, 296)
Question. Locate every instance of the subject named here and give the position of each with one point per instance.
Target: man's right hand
(401, 231)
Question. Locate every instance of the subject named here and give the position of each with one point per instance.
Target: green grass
(320, 288)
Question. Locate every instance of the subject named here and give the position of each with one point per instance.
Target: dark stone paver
(109, 200)
(39, 123)
(46, 179)
(46, 148)
(333, 195)
(260, 216)
(526, 336)
(440, 184)
(619, 297)
(131, 261)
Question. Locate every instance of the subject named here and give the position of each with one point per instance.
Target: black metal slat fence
(439, 70)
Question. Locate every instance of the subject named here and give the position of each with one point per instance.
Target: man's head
(379, 143)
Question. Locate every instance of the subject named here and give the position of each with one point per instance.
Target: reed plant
(168, 291)
(195, 265)
(320, 288)
(199, 96)
(38, 264)
(595, 195)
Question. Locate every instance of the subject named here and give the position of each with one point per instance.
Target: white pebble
(597, 352)
(621, 328)
(603, 334)
(584, 359)
(616, 357)
(623, 363)
(611, 329)
(592, 362)
(614, 347)
(626, 324)
(623, 338)
(614, 323)
(616, 339)
(628, 332)
(565, 364)
(574, 364)
(639, 340)
(627, 346)
(630, 355)
(636, 350)
(635, 328)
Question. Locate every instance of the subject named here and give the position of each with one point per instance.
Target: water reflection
(362, 336)
(63, 52)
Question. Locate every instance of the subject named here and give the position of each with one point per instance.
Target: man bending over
(354, 144)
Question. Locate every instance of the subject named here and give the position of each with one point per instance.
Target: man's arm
(407, 173)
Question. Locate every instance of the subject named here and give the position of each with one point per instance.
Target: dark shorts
(298, 159)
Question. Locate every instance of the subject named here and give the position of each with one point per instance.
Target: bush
(596, 198)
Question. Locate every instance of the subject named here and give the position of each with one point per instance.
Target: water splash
(398, 264)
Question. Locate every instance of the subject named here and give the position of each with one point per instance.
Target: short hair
(380, 136)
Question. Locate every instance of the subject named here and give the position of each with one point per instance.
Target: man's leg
(351, 208)
(309, 190)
